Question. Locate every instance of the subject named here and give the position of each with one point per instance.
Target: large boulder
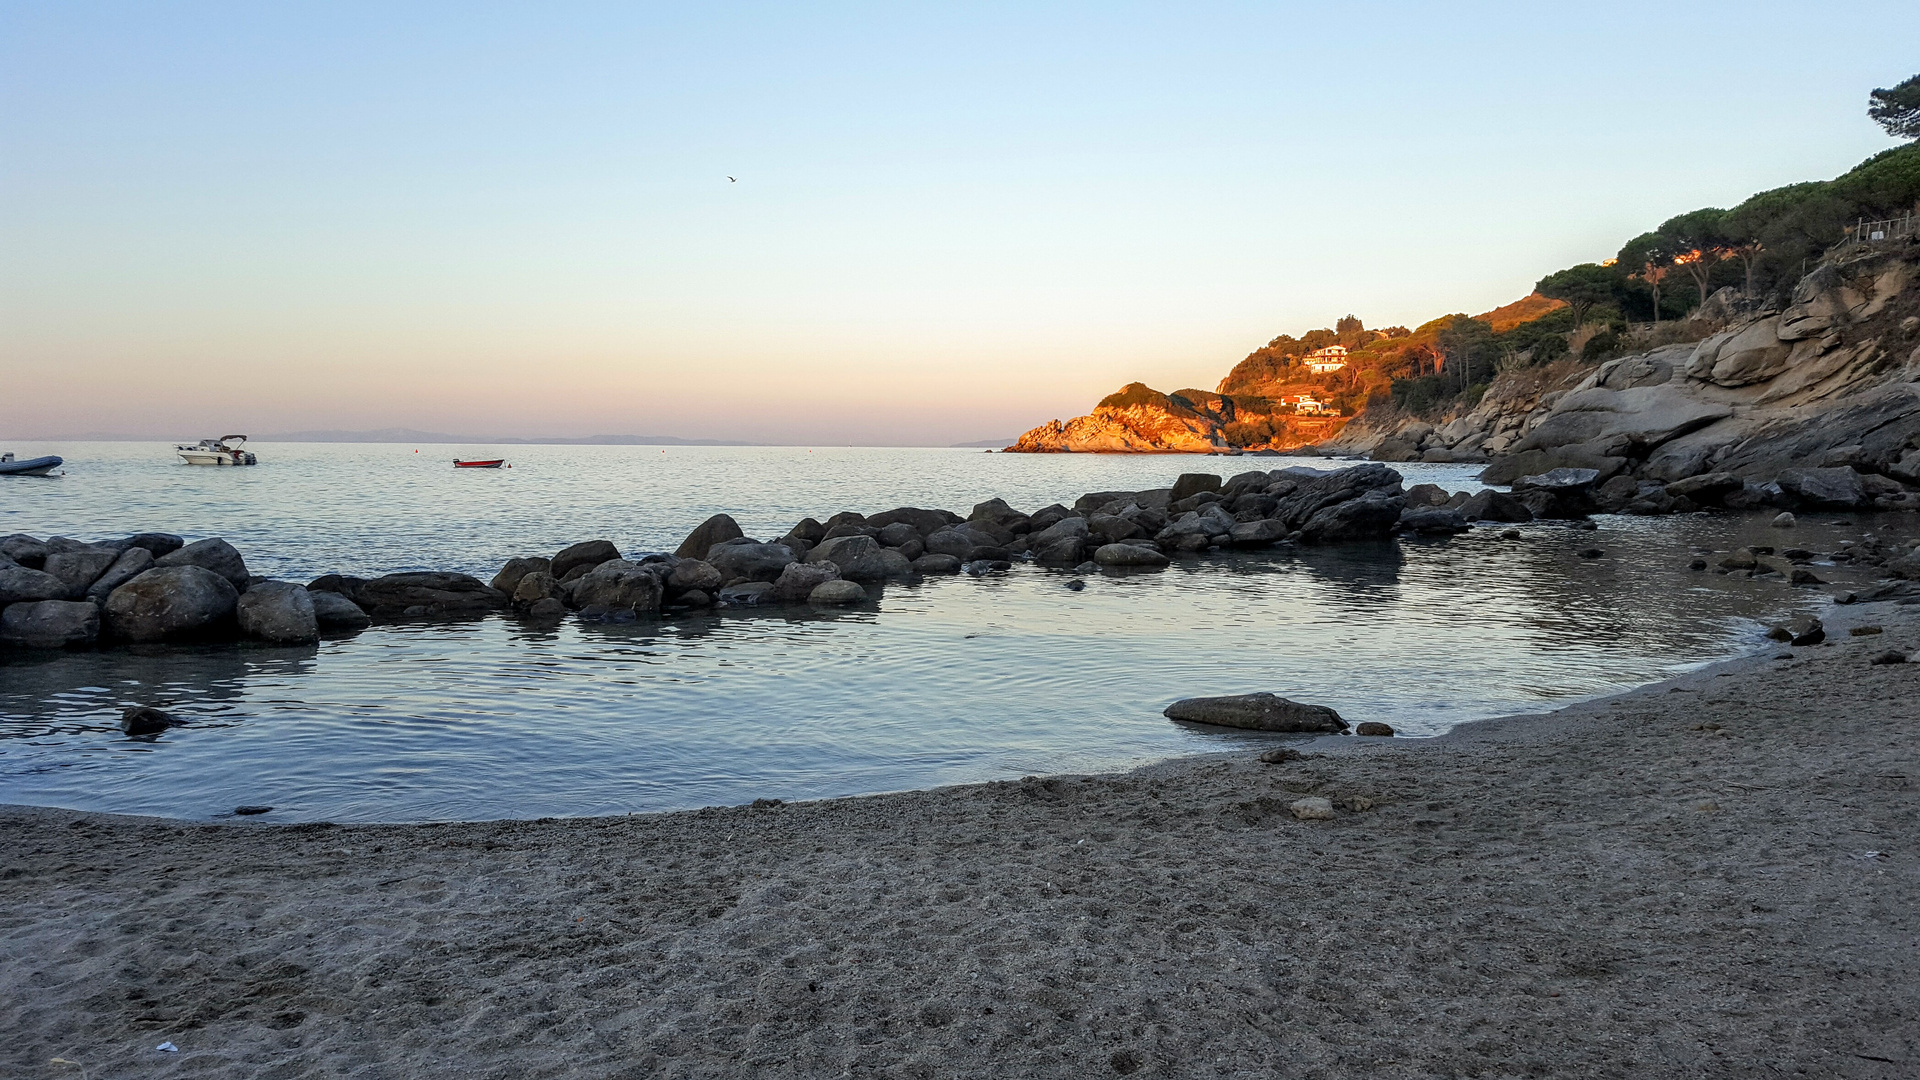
(18, 585)
(618, 589)
(693, 575)
(900, 534)
(1256, 712)
(1257, 534)
(861, 558)
(968, 541)
(1707, 489)
(154, 544)
(335, 613)
(996, 513)
(1065, 541)
(532, 589)
(508, 579)
(1432, 521)
(1208, 521)
(212, 554)
(935, 564)
(1129, 555)
(836, 592)
(799, 580)
(49, 624)
(924, 522)
(717, 529)
(1370, 516)
(170, 601)
(1314, 505)
(1636, 419)
(78, 570)
(576, 559)
(130, 564)
(428, 594)
(1193, 483)
(25, 550)
(1837, 488)
(1598, 456)
(1113, 528)
(278, 611)
(1492, 505)
(738, 560)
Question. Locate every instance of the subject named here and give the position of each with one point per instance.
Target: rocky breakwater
(151, 587)
(1814, 403)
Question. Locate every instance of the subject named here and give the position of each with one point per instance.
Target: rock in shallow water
(715, 530)
(1256, 712)
(49, 624)
(1373, 727)
(212, 554)
(1129, 555)
(838, 591)
(170, 601)
(278, 611)
(334, 612)
(146, 720)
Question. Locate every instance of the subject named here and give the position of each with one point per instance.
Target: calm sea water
(941, 681)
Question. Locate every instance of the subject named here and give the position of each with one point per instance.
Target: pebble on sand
(1312, 809)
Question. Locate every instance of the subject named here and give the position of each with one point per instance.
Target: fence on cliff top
(1869, 232)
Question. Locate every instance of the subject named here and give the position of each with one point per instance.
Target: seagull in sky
(731, 180)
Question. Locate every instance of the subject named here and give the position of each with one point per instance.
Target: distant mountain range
(409, 435)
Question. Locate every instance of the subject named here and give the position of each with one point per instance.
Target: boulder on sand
(426, 594)
(715, 530)
(170, 601)
(336, 613)
(1256, 712)
(212, 554)
(278, 611)
(49, 624)
(577, 559)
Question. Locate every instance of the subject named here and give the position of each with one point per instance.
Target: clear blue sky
(949, 223)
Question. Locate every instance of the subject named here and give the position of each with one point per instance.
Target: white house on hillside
(1308, 405)
(1331, 358)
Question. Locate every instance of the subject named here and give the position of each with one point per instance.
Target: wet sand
(1676, 882)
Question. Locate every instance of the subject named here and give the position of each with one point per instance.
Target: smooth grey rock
(963, 541)
(1492, 505)
(569, 561)
(799, 580)
(79, 569)
(693, 575)
(751, 561)
(1256, 712)
(170, 601)
(547, 610)
(49, 624)
(535, 586)
(278, 611)
(1559, 481)
(860, 558)
(426, 594)
(898, 534)
(508, 579)
(1432, 520)
(1191, 484)
(19, 584)
(835, 592)
(1129, 555)
(1257, 534)
(25, 550)
(1065, 541)
(618, 588)
(924, 522)
(130, 564)
(153, 543)
(1707, 489)
(936, 564)
(746, 593)
(1372, 515)
(1311, 808)
(1836, 488)
(212, 554)
(717, 529)
(336, 613)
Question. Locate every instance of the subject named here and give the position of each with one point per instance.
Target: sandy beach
(1712, 876)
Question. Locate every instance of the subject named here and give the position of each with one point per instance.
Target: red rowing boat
(494, 464)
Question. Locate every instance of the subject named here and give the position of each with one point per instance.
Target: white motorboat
(225, 450)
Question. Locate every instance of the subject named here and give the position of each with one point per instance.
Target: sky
(945, 223)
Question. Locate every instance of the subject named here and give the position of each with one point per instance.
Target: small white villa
(1308, 405)
(1331, 358)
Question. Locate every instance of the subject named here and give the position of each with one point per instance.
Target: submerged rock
(836, 592)
(147, 720)
(1256, 712)
(426, 595)
(1129, 555)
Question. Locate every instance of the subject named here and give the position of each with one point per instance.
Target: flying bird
(731, 180)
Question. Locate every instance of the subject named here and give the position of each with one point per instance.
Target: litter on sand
(167, 1048)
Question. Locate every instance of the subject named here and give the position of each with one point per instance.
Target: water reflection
(946, 680)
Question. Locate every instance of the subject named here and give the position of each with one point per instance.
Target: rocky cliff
(1814, 403)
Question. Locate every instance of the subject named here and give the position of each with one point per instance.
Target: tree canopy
(1897, 109)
